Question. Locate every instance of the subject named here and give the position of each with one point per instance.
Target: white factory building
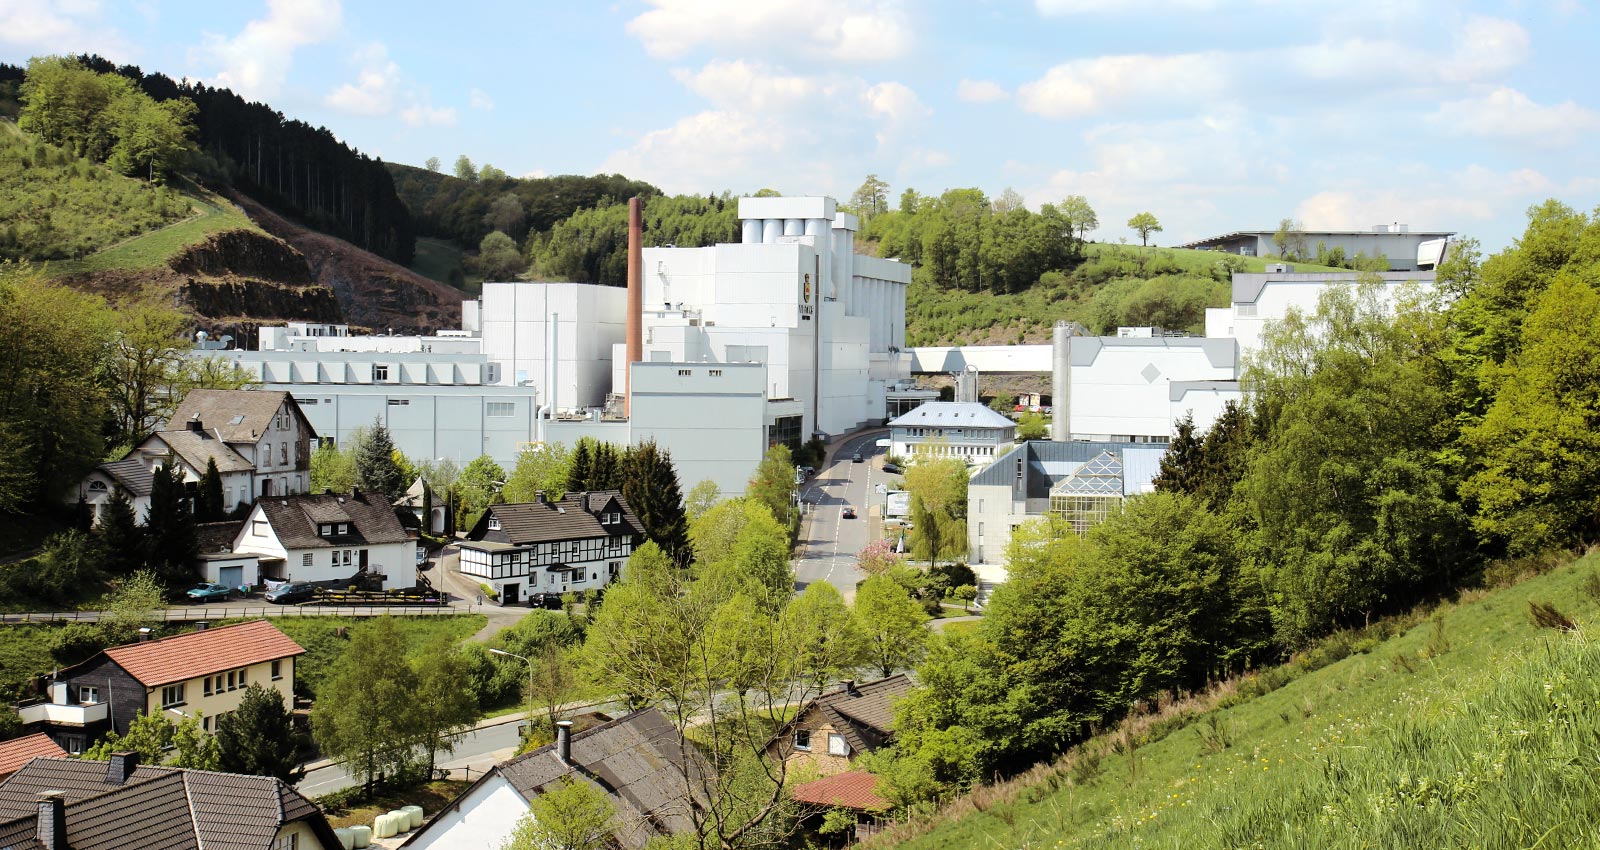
(785, 335)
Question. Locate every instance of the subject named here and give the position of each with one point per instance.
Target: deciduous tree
(367, 708)
(570, 814)
(892, 624)
(541, 469)
(1144, 224)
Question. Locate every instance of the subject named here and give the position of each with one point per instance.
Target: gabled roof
(412, 497)
(134, 476)
(951, 414)
(188, 656)
(217, 536)
(855, 789)
(156, 807)
(295, 518)
(19, 751)
(636, 759)
(575, 517)
(237, 416)
(198, 447)
(863, 714)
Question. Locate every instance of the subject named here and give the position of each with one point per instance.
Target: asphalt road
(830, 542)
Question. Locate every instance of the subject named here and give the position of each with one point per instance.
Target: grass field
(320, 638)
(1474, 728)
(212, 214)
(437, 258)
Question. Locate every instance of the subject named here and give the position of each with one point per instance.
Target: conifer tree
(208, 503)
(170, 528)
(1180, 466)
(650, 486)
(120, 536)
(257, 738)
(581, 470)
(376, 470)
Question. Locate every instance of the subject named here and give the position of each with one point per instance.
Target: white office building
(1260, 298)
(940, 429)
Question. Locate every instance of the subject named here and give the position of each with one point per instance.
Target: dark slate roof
(864, 713)
(636, 759)
(198, 447)
(294, 519)
(218, 536)
(161, 808)
(238, 416)
(576, 517)
(132, 474)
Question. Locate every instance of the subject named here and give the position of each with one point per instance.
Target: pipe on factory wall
(635, 330)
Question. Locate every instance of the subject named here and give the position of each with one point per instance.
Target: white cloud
(840, 30)
(1098, 7)
(479, 99)
(717, 149)
(535, 174)
(256, 62)
(1430, 199)
(980, 91)
(1479, 48)
(59, 26)
(1505, 113)
(377, 83)
(750, 85)
(423, 114)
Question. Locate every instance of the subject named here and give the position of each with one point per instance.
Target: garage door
(231, 576)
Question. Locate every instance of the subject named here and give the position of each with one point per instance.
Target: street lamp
(528, 662)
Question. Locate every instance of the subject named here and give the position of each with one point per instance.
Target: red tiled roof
(177, 659)
(850, 790)
(15, 754)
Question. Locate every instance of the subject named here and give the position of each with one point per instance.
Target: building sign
(805, 297)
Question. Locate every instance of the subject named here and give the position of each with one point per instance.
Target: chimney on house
(635, 331)
(850, 688)
(355, 492)
(195, 426)
(121, 766)
(145, 633)
(564, 741)
(52, 828)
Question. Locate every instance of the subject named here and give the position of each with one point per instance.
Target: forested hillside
(466, 209)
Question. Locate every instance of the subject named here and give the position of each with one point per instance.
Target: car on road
(809, 470)
(294, 591)
(206, 592)
(857, 458)
(893, 468)
(849, 513)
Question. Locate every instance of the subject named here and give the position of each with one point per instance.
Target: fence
(225, 612)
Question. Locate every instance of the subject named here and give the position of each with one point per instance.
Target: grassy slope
(1489, 743)
(941, 317)
(436, 258)
(212, 214)
(319, 636)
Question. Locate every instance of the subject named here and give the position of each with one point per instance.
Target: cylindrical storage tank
(347, 839)
(362, 836)
(415, 814)
(402, 821)
(752, 231)
(1061, 382)
(771, 229)
(816, 227)
(794, 227)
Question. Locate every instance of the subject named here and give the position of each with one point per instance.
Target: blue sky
(1214, 114)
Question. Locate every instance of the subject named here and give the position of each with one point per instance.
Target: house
(70, 804)
(259, 441)
(831, 730)
(19, 751)
(423, 509)
(199, 673)
(855, 790)
(218, 563)
(637, 760)
(330, 538)
(529, 550)
(940, 429)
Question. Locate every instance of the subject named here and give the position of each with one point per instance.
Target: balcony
(65, 715)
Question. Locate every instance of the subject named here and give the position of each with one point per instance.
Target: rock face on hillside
(243, 253)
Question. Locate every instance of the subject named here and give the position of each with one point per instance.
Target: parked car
(295, 591)
(207, 592)
(893, 468)
(849, 513)
(809, 470)
(1048, 410)
(857, 458)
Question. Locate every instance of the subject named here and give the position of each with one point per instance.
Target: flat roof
(1241, 233)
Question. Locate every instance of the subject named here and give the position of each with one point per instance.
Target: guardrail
(225, 612)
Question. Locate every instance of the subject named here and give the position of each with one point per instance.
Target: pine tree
(1180, 466)
(208, 502)
(650, 486)
(607, 469)
(257, 738)
(121, 536)
(173, 542)
(376, 470)
(581, 470)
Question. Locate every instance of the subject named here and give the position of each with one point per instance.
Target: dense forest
(292, 167)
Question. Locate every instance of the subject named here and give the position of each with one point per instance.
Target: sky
(1215, 115)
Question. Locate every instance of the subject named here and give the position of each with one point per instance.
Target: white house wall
(485, 818)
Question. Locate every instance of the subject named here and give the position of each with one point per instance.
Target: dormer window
(325, 529)
(344, 528)
(494, 523)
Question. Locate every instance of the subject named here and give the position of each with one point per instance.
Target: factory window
(399, 402)
(500, 408)
(305, 401)
(684, 373)
(380, 372)
(715, 373)
(494, 373)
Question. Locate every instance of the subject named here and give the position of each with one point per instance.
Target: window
(243, 681)
(287, 842)
(837, 745)
(232, 686)
(305, 560)
(684, 373)
(494, 374)
(347, 557)
(380, 372)
(277, 670)
(500, 408)
(325, 529)
(399, 402)
(88, 695)
(344, 528)
(205, 689)
(205, 723)
(172, 695)
(283, 454)
(305, 401)
(494, 523)
(97, 486)
(715, 373)
(802, 739)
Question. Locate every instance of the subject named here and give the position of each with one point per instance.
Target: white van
(883, 443)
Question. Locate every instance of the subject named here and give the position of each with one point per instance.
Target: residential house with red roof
(200, 673)
(19, 751)
(831, 730)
